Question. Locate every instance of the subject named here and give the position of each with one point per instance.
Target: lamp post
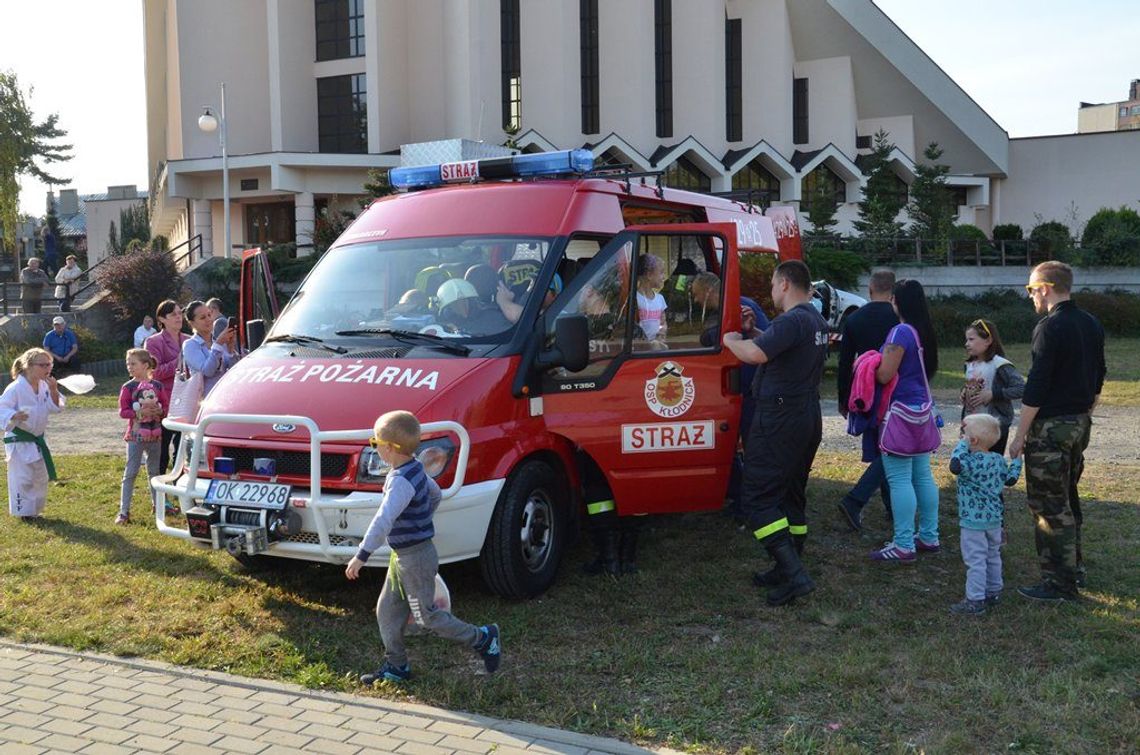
(208, 122)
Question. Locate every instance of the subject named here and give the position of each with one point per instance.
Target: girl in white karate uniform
(24, 408)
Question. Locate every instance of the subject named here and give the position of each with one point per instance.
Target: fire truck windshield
(470, 289)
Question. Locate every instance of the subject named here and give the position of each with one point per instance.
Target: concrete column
(204, 225)
(305, 220)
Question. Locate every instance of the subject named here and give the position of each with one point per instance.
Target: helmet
(453, 290)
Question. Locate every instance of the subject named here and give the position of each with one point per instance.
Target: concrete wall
(1097, 118)
(977, 280)
(1051, 175)
(100, 215)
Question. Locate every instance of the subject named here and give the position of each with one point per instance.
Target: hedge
(1012, 313)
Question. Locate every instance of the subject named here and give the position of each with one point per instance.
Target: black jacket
(1068, 362)
(864, 330)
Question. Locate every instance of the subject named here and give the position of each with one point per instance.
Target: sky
(1028, 63)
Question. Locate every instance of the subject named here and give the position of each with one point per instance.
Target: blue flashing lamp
(518, 166)
(416, 177)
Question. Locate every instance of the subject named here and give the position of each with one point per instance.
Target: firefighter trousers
(778, 456)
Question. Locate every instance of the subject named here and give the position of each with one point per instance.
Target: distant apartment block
(1111, 116)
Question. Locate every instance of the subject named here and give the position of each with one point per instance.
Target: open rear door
(257, 298)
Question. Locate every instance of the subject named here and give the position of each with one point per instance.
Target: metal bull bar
(167, 484)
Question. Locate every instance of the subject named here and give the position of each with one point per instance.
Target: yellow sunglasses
(377, 442)
(1031, 287)
(981, 327)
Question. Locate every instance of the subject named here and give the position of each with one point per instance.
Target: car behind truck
(502, 311)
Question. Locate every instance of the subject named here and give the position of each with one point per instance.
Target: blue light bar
(519, 166)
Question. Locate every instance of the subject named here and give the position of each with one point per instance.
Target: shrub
(138, 281)
(1052, 240)
(756, 278)
(92, 348)
(1118, 311)
(1008, 232)
(837, 267)
(1111, 237)
(286, 266)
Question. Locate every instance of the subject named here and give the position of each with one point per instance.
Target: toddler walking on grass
(404, 520)
(142, 403)
(982, 475)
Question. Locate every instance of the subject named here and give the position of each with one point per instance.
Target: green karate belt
(23, 436)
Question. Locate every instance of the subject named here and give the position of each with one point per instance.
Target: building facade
(1111, 116)
(780, 98)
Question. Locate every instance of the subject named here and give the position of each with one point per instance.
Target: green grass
(683, 654)
(1121, 388)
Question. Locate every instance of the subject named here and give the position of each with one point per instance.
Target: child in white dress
(24, 408)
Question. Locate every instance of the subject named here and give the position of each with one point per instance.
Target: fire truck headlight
(372, 468)
(435, 455)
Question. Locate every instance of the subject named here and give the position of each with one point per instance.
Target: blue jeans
(874, 478)
(912, 489)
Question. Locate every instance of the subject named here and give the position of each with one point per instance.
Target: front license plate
(261, 495)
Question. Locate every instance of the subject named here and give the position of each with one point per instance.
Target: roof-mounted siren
(565, 162)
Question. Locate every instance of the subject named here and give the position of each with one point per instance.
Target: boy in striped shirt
(404, 520)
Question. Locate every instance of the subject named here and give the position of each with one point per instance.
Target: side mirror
(571, 344)
(254, 333)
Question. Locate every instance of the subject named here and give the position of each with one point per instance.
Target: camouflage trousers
(1054, 461)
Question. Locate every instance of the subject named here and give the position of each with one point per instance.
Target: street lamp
(208, 122)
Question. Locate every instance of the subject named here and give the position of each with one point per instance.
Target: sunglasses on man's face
(1032, 287)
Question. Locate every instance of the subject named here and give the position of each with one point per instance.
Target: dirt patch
(1115, 437)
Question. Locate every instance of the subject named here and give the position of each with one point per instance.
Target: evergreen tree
(880, 205)
(134, 224)
(930, 209)
(821, 213)
(113, 246)
(377, 185)
(25, 145)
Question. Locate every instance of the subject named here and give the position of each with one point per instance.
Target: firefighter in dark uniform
(786, 428)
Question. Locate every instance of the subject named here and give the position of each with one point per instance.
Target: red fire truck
(512, 312)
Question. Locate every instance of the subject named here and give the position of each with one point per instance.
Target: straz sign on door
(667, 436)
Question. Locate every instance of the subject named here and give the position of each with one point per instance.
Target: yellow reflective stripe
(798, 529)
(599, 507)
(680, 284)
(774, 527)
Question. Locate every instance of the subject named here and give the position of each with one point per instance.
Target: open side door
(257, 299)
(658, 405)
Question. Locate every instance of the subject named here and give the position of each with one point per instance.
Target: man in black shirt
(1063, 386)
(866, 330)
(786, 429)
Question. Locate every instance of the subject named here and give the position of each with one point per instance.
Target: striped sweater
(405, 514)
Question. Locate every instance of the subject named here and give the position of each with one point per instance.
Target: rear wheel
(527, 535)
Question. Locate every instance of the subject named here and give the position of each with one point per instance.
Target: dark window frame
(755, 176)
(733, 80)
(588, 32)
(339, 29)
(680, 172)
(663, 66)
(342, 114)
(838, 187)
(510, 57)
(800, 132)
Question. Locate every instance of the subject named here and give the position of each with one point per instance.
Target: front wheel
(527, 535)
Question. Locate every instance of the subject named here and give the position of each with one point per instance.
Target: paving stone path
(59, 701)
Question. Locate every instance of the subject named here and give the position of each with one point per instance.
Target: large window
(755, 177)
(799, 111)
(663, 63)
(733, 84)
(588, 13)
(684, 174)
(342, 118)
(268, 224)
(511, 59)
(822, 183)
(340, 29)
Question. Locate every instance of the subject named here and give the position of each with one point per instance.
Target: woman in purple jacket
(165, 346)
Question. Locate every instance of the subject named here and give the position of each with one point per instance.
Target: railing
(966, 253)
(192, 254)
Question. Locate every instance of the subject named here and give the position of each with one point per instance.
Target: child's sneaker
(892, 552)
(992, 599)
(488, 647)
(969, 607)
(123, 519)
(924, 547)
(387, 673)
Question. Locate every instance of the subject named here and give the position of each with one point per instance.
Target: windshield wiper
(307, 341)
(409, 336)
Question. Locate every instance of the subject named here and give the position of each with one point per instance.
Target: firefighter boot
(800, 541)
(774, 577)
(606, 561)
(796, 583)
(629, 550)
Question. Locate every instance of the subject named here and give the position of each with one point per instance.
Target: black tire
(527, 536)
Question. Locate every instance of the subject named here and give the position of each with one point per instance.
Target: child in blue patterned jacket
(982, 474)
(405, 522)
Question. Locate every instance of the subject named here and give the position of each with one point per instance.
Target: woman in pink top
(165, 346)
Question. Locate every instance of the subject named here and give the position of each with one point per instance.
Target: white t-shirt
(142, 333)
(650, 314)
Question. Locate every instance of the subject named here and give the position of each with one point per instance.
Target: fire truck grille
(314, 539)
(289, 463)
(392, 352)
